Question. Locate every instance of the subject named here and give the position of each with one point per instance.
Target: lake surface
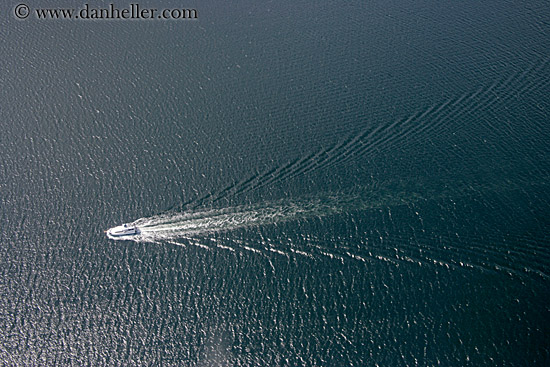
(321, 184)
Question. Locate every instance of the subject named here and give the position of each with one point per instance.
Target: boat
(123, 230)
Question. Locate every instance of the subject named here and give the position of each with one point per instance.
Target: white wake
(172, 226)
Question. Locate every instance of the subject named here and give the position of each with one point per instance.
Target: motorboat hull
(124, 230)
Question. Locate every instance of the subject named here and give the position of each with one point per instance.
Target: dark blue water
(317, 184)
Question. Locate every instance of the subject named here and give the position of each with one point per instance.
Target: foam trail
(186, 225)
(172, 226)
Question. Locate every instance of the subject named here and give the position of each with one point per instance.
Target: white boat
(123, 230)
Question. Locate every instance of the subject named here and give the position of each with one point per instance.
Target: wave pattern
(421, 126)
